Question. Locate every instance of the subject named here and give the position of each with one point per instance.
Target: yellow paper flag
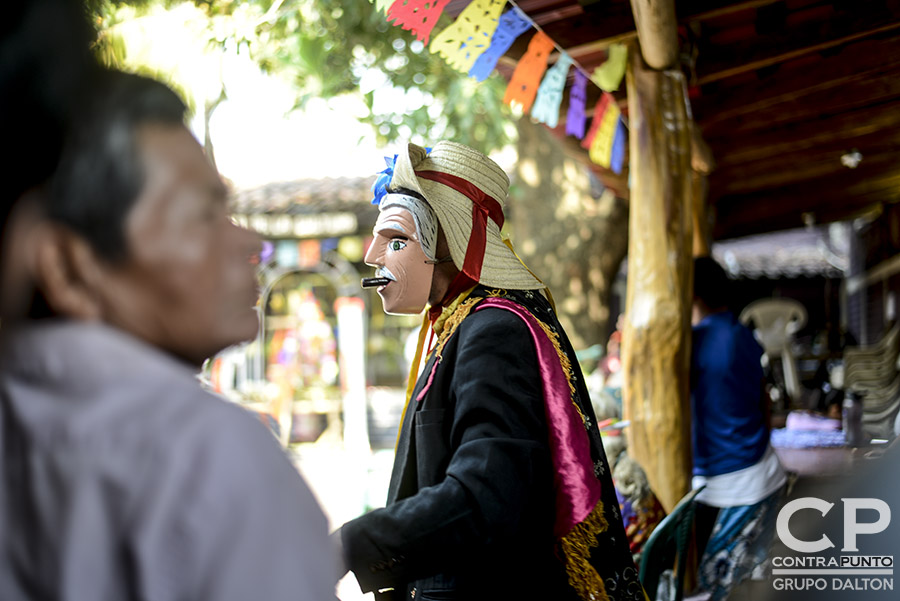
(470, 35)
(609, 75)
(601, 147)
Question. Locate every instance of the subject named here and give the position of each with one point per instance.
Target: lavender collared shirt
(123, 479)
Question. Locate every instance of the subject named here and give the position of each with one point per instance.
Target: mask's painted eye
(397, 244)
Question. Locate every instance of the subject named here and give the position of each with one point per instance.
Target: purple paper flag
(618, 148)
(513, 23)
(577, 97)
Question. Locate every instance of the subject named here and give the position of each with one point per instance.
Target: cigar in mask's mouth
(374, 282)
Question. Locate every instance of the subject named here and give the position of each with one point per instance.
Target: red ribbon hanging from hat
(484, 207)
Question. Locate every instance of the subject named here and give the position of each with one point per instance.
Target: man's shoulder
(191, 419)
(486, 318)
(722, 325)
(86, 389)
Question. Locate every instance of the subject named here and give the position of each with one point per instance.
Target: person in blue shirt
(730, 424)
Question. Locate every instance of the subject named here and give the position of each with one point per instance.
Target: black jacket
(470, 505)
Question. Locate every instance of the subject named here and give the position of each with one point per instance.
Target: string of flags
(483, 32)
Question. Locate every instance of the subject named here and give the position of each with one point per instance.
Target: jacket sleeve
(498, 460)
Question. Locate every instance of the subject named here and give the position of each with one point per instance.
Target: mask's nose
(375, 255)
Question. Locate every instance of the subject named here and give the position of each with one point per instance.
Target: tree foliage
(574, 238)
(332, 47)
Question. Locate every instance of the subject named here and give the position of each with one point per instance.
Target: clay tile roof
(818, 251)
(307, 196)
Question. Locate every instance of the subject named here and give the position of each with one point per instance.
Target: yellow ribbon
(546, 289)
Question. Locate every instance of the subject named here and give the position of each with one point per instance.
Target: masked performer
(500, 487)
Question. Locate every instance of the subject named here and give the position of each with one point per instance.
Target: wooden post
(656, 343)
(657, 30)
(702, 246)
(702, 164)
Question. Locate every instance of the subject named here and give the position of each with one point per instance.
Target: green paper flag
(609, 75)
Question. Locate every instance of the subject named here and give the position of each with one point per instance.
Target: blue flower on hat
(380, 187)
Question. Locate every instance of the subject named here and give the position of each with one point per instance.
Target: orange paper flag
(417, 16)
(527, 77)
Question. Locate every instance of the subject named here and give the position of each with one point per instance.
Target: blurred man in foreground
(122, 478)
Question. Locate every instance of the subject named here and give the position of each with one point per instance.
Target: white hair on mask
(423, 216)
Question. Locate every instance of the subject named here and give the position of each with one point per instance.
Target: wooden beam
(830, 198)
(723, 106)
(705, 10)
(754, 214)
(586, 28)
(657, 32)
(583, 50)
(867, 19)
(592, 31)
(778, 171)
(789, 55)
(728, 226)
(809, 135)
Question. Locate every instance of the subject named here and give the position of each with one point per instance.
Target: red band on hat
(485, 202)
(484, 206)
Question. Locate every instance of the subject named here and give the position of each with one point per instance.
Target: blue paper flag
(513, 23)
(618, 148)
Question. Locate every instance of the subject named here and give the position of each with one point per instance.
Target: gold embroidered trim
(576, 550)
(577, 544)
(447, 311)
(452, 321)
(564, 363)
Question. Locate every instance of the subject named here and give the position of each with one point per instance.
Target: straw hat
(454, 209)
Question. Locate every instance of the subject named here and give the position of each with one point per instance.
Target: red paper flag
(599, 109)
(527, 77)
(417, 16)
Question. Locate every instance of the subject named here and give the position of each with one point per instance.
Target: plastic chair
(669, 541)
(775, 321)
(873, 369)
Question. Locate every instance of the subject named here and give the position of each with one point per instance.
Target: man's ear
(67, 272)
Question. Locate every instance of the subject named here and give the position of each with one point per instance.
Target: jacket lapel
(404, 475)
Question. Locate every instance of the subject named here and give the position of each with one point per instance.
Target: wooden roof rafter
(780, 90)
